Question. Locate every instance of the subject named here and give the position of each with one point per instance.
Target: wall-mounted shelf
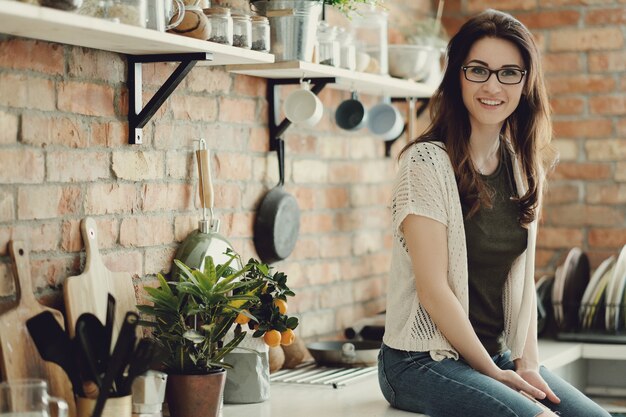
(43, 23)
(344, 79)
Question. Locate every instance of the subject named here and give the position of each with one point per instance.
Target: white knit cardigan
(426, 186)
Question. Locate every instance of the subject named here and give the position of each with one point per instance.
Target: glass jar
(369, 25)
(242, 31)
(328, 47)
(260, 34)
(130, 12)
(347, 50)
(221, 25)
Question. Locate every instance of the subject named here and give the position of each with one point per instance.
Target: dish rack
(312, 374)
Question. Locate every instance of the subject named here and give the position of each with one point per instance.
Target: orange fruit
(272, 338)
(242, 319)
(287, 337)
(282, 305)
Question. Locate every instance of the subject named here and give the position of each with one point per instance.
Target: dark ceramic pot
(195, 395)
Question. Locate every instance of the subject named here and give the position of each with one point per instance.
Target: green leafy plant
(346, 6)
(191, 317)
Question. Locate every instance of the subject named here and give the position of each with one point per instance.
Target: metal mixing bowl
(412, 62)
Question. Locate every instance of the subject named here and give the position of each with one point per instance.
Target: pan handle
(204, 177)
(280, 152)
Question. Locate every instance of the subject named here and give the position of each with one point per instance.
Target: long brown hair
(528, 127)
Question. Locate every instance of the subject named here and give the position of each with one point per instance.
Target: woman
(460, 334)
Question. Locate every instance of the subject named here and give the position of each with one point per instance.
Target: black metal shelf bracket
(139, 115)
(423, 106)
(277, 128)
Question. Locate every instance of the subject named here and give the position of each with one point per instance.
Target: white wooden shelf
(344, 79)
(43, 23)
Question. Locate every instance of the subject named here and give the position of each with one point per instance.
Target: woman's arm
(427, 243)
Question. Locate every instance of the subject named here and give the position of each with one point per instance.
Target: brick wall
(63, 156)
(584, 56)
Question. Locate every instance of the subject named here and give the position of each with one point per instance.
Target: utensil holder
(114, 407)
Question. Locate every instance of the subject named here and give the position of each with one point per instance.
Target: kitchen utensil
(341, 353)
(303, 106)
(277, 222)
(114, 407)
(139, 363)
(385, 121)
(576, 278)
(18, 355)
(93, 351)
(593, 283)
(413, 62)
(206, 240)
(88, 292)
(614, 291)
(118, 361)
(108, 325)
(55, 346)
(28, 397)
(162, 16)
(351, 114)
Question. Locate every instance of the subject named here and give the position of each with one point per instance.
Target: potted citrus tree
(191, 317)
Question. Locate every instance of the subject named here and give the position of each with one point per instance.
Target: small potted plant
(191, 318)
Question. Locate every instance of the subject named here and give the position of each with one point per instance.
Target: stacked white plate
(594, 291)
(615, 293)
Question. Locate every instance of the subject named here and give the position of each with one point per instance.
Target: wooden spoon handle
(204, 177)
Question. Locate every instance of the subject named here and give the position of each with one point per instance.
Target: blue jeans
(412, 381)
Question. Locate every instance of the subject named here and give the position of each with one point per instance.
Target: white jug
(163, 16)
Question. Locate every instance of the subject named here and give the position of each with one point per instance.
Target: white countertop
(363, 398)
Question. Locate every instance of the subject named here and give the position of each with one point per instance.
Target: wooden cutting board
(87, 292)
(18, 355)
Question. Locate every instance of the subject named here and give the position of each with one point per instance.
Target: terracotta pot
(195, 395)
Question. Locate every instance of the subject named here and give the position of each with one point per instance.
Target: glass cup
(28, 398)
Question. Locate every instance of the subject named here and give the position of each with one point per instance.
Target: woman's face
(489, 103)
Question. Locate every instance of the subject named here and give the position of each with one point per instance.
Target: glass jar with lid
(328, 47)
(130, 12)
(260, 34)
(242, 31)
(221, 25)
(369, 24)
(347, 50)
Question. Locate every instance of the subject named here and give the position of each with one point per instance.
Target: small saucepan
(343, 353)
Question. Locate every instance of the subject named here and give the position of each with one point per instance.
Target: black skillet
(277, 223)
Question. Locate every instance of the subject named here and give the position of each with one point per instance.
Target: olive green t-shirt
(494, 240)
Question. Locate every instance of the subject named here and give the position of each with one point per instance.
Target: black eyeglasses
(479, 74)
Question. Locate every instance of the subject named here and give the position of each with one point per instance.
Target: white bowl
(412, 62)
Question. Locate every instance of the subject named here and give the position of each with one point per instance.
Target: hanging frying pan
(206, 240)
(277, 222)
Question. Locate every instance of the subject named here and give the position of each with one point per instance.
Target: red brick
(620, 172)
(606, 150)
(582, 171)
(543, 258)
(238, 110)
(20, 90)
(159, 197)
(159, 260)
(72, 241)
(568, 149)
(578, 215)
(259, 140)
(586, 128)
(127, 261)
(193, 108)
(48, 272)
(598, 255)
(366, 242)
(621, 127)
(231, 166)
(177, 136)
(21, 166)
(237, 135)
(344, 172)
(336, 294)
(155, 74)
(580, 84)
(309, 171)
(146, 231)
(249, 86)
(300, 144)
(111, 199)
(556, 238)
(134, 165)
(588, 39)
(607, 61)
(306, 196)
(109, 134)
(53, 130)
(8, 128)
(86, 98)
(554, 3)
(94, 64)
(306, 248)
(208, 79)
(333, 198)
(606, 193)
(7, 205)
(610, 105)
(335, 246)
(547, 19)
(474, 6)
(238, 224)
(562, 63)
(567, 105)
(559, 194)
(23, 54)
(610, 16)
(41, 237)
(227, 195)
(321, 273)
(607, 238)
(69, 166)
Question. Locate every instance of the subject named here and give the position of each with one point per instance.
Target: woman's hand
(533, 378)
(515, 381)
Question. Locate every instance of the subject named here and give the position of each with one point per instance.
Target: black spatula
(54, 345)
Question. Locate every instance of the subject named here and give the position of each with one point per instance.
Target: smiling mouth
(492, 103)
